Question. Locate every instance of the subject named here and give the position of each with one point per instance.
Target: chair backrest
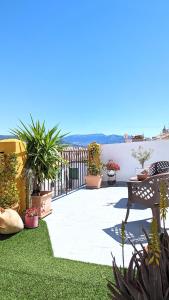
(147, 192)
(159, 167)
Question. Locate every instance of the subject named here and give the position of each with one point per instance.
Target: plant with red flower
(111, 165)
(31, 212)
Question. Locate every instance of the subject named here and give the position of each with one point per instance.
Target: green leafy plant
(8, 187)
(95, 170)
(95, 165)
(154, 244)
(142, 155)
(43, 150)
(163, 202)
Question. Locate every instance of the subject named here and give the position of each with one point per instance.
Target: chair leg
(127, 213)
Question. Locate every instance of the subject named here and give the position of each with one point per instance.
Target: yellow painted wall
(17, 147)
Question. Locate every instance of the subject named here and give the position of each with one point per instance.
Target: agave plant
(43, 149)
(143, 280)
(147, 277)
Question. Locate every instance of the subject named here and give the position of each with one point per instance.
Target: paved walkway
(85, 225)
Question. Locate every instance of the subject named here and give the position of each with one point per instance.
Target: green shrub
(95, 165)
(8, 188)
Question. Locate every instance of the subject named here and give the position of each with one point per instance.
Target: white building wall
(121, 154)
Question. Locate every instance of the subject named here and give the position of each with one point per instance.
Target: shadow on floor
(115, 184)
(4, 237)
(133, 231)
(122, 203)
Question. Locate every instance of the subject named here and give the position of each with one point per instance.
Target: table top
(134, 178)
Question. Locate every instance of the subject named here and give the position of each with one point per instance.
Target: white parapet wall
(121, 154)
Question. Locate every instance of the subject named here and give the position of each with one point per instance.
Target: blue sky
(92, 66)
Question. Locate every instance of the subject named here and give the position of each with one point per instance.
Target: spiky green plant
(147, 277)
(163, 202)
(43, 149)
(154, 244)
(123, 237)
(142, 281)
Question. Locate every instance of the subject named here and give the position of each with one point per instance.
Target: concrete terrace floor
(85, 225)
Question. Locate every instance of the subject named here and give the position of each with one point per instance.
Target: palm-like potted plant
(43, 149)
(94, 177)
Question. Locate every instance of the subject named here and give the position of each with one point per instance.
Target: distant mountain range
(3, 137)
(85, 139)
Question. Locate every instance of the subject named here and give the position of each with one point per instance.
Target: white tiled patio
(85, 225)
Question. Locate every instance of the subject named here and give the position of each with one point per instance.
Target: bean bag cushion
(10, 221)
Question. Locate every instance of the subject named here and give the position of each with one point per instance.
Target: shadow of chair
(133, 231)
(122, 203)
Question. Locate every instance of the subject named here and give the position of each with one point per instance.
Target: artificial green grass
(28, 270)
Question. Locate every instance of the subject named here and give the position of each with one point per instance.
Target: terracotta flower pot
(31, 222)
(43, 203)
(93, 181)
(142, 177)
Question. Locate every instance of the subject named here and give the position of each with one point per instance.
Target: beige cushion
(10, 221)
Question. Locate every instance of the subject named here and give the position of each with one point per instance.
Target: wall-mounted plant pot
(93, 181)
(43, 203)
(31, 222)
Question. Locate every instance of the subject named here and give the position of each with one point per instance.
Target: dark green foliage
(28, 271)
(142, 280)
(95, 165)
(93, 169)
(43, 149)
(8, 187)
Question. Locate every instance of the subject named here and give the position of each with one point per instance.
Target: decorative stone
(10, 221)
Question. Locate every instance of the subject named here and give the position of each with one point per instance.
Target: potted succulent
(94, 177)
(111, 168)
(9, 197)
(31, 218)
(43, 161)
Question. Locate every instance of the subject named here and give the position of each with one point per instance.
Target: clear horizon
(92, 66)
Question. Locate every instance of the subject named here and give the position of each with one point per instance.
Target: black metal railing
(71, 175)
